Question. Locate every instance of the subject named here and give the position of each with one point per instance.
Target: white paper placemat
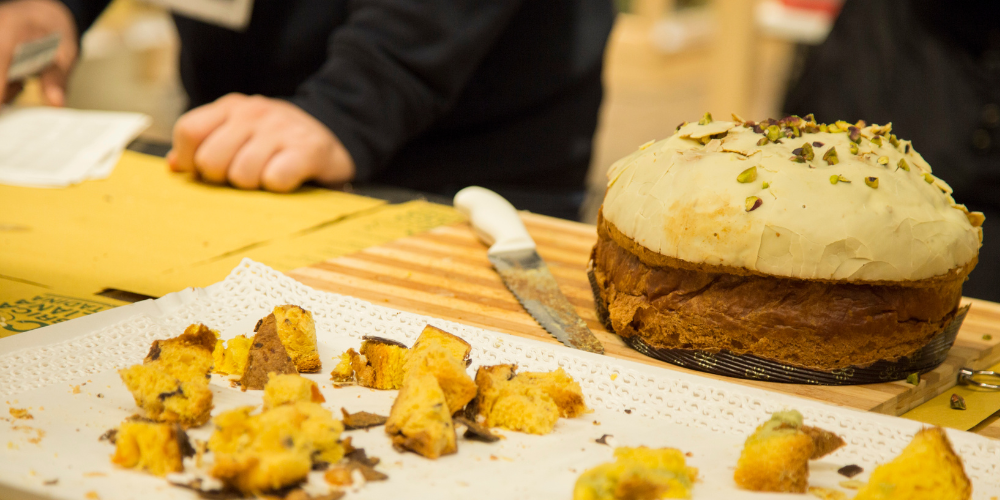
(635, 403)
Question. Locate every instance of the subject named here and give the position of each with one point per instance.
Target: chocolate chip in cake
(850, 471)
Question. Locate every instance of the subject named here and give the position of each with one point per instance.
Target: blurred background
(667, 61)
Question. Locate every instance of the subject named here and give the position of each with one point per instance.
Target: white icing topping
(681, 198)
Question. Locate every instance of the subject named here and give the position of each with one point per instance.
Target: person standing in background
(933, 70)
(431, 96)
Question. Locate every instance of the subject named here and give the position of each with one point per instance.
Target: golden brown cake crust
(267, 354)
(807, 323)
(196, 335)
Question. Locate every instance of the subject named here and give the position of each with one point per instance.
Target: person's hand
(27, 20)
(256, 142)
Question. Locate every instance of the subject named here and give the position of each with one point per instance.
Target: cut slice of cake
(384, 360)
(171, 384)
(529, 402)
(776, 456)
(267, 355)
(165, 398)
(927, 469)
(157, 448)
(187, 356)
(433, 337)
(446, 357)
(297, 332)
(231, 357)
(274, 449)
(638, 473)
(290, 388)
(564, 391)
(343, 373)
(420, 420)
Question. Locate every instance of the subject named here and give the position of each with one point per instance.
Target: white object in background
(232, 14)
(56, 147)
(797, 25)
(688, 28)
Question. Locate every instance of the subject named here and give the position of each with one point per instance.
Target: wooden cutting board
(445, 273)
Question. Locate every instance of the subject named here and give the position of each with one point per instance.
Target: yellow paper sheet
(359, 231)
(26, 306)
(144, 221)
(979, 403)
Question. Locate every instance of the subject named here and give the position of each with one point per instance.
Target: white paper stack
(54, 147)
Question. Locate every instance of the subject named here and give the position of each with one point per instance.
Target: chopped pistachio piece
(860, 124)
(883, 160)
(833, 129)
(824, 128)
(747, 176)
(842, 125)
(877, 140)
(763, 141)
(807, 151)
(838, 178)
(810, 118)
(903, 165)
(831, 156)
(798, 159)
(957, 402)
(773, 133)
(913, 379)
(765, 185)
(985, 337)
(854, 149)
(929, 178)
(854, 134)
(893, 140)
(872, 182)
(753, 203)
(705, 120)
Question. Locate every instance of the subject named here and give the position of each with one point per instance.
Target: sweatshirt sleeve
(395, 66)
(85, 12)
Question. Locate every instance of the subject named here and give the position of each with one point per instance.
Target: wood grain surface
(445, 273)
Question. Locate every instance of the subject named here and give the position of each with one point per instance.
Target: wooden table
(445, 273)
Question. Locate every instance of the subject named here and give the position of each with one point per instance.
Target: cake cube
(297, 332)
(420, 420)
(927, 469)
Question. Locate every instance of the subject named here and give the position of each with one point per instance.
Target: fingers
(192, 129)
(287, 170)
(248, 164)
(216, 152)
(53, 82)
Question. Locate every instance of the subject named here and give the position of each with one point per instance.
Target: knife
(512, 253)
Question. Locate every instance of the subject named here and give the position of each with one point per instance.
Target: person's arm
(395, 67)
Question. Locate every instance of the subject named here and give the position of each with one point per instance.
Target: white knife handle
(495, 220)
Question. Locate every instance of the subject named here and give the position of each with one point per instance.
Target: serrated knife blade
(524, 273)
